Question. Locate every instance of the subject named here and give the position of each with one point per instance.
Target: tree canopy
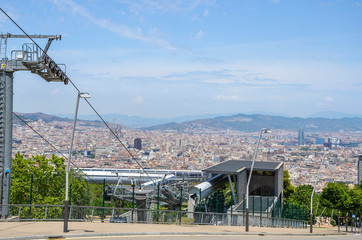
(288, 188)
(48, 184)
(336, 196)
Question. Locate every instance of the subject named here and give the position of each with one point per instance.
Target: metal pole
(104, 195)
(267, 210)
(244, 207)
(180, 203)
(66, 202)
(158, 200)
(332, 214)
(339, 224)
(217, 201)
(31, 193)
(70, 194)
(264, 130)
(261, 208)
(200, 201)
(133, 186)
(311, 197)
(231, 211)
(232, 189)
(253, 205)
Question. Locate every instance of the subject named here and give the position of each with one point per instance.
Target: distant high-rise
(359, 169)
(301, 137)
(319, 141)
(138, 143)
(178, 142)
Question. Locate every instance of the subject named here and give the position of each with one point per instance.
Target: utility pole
(29, 58)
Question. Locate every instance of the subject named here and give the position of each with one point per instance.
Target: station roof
(236, 166)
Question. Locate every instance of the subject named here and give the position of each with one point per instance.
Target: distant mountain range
(140, 122)
(334, 115)
(255, 122)
(50, 118)
(240, 122)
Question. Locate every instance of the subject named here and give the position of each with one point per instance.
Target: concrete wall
(241, 185)
(279, 177)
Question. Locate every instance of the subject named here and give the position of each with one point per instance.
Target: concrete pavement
(45, 230)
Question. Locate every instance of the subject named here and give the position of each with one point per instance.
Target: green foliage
(288, 188)
(336, 195)
(96, 195)
(48, 181)
(333, 222)
(355, 203)
(301, 196)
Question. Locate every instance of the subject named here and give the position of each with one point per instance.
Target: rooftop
(236, 166)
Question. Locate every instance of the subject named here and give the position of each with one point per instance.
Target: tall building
(359, 169)
(301, 137)
(178, 142)
(319, 141)
(138, 143)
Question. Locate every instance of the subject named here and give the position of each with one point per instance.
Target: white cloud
(120, 29)
(153, 7)
(206, 13)
(275, 1)
(234, 98)
(55, 91)
(137, 100)
(200, 34)
(220, 81)
(326, 102)
(329, 99)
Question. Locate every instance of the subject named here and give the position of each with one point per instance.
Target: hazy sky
(171, 57)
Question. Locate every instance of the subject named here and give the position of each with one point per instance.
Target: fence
(261, 208)
(22, 212)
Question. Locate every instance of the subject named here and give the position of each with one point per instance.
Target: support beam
(6, 111)
(232, 189)
(9, 35)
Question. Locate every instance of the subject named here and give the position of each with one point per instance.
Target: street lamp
(264, 130)
(66, 202)
(311, 197)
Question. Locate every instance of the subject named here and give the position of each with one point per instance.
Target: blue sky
(173, 58)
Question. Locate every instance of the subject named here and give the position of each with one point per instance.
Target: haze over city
(174, 58)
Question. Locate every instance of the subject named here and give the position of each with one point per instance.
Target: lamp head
(265, 130)
(84, 95)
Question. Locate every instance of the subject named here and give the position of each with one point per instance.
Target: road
(223, 237)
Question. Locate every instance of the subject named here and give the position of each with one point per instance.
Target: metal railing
(26, 212)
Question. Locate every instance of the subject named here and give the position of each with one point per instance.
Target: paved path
(32, 230)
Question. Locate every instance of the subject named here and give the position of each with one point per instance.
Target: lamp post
(66, 202)
(311, 197)
(264, 130)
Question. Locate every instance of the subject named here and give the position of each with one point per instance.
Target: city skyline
(168, 59)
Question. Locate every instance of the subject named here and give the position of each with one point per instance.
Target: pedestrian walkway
(44, 230)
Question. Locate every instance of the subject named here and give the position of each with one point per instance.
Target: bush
(333, 222)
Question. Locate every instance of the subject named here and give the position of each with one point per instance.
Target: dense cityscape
(193, 119)
(96, 147)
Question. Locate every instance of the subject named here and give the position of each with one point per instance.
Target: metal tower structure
(29, 58)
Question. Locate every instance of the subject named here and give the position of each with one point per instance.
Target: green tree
(48, 181)
(336, 196)
(288, 188)
(301, 196)
(355, 195)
